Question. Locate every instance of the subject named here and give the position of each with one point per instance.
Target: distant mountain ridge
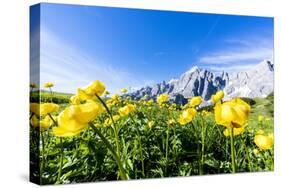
(255, 82)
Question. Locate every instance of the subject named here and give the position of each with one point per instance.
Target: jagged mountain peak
(265, 64)
(255, 82)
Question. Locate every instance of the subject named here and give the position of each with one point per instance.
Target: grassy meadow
(93, 136)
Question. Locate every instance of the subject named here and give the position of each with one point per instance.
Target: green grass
(264, 107)
(162, 151)
(47, 96)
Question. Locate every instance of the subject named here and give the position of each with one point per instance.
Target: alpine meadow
(127, 94)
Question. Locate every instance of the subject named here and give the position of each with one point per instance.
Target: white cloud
(234, 56)
(70, 68)
(238, 54)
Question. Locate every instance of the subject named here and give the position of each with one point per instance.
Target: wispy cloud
(238, 54)
(69, 68)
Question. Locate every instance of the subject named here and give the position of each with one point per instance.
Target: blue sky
(134, 48)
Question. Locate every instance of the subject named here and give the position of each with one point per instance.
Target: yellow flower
(75, 99)
(173, 107)
(108, 121)
(47, 108)
(34, 121)
(128, 98)
(84, 113)
(44, 124)
(256, 151)
(35, 108)
(126, 110)
(151, 124)
(162, 98)
(150, 102)
(260, 131)
(206, 113)
(171, 122)
(263, 142)
(236, 131)
(91, 90)
(260, 118)
(33, 85)
(187, 116)
(109, 103)
(48, 85)
(75, 118)
(232, 114)
(124, 90)
(217, 97)
(195, 101)
(163, 105)
(271, 135)
(116, 98)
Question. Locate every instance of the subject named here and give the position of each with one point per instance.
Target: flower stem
(175, 138)
(114, 125)
(140, 143)
(198, 147)
(43, 157)
(233, 163)
(56, 123)
(203, 147)
(115, 156)
(248, 157)
(61, 162)
(31, 115)
(167, 150)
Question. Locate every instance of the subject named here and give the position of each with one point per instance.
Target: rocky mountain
(255, 82)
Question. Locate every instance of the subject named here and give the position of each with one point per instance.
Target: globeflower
(34, 121)
(236, 131)
(187, 116)
(206, 113)
(260, 131)
(44, 124)
(173, 107)
(108, 121)
(91, 90)
(195, 101)
(75, 99)
(151, 124)
(75, 118)
(47, 108)
(116, 98)
(261, 118)
(162, 98)
(33, 85)
(35, 108)
(124, 90)
(48, 85)
(150, 102)
(232, 114)
(171, 122)
(263, 142)
(126, 110)
(256, 151)
(217, 97)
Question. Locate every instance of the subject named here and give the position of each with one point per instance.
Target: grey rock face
(256, 82)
